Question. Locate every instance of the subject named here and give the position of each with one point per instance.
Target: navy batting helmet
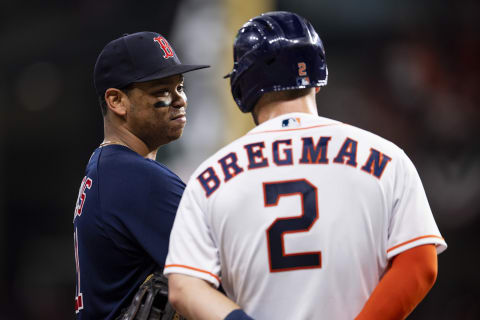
(273, 52)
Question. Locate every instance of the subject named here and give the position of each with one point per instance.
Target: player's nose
(179, 100)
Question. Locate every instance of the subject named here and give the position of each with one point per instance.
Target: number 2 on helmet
(302, 69)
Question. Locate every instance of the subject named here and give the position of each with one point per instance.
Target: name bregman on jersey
(313, 152)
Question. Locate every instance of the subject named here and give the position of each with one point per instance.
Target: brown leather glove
(151, 301)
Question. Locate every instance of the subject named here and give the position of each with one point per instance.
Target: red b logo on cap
(165, 46)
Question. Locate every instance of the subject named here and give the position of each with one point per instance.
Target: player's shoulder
(119, 162)
(373, 141)
(370, 136)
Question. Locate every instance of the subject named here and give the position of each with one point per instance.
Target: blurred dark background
(407, 71)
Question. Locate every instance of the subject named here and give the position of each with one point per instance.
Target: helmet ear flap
(237, 95)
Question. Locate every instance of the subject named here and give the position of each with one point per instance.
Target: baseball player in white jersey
(303, 217)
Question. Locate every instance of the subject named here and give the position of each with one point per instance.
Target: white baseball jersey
(298, 218)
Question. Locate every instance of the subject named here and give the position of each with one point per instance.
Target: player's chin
(177, 125)
(175, 133)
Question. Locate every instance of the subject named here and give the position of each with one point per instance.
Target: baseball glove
(151, 301)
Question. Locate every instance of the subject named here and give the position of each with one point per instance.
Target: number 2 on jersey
(278, 259)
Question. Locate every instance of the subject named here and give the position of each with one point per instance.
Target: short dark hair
(103, 103)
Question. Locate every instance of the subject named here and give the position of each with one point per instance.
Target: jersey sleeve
(192, 249)
(411, 222)
(140, 208)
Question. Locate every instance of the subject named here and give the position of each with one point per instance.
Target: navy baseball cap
(137, 57)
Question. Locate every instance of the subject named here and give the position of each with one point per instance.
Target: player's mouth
(179, 118)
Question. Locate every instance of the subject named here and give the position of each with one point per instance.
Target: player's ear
(117, 101)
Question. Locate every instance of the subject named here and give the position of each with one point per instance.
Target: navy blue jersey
(124, 213)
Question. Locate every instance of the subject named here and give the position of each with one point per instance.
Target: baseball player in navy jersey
(127, 201)
(304, 217)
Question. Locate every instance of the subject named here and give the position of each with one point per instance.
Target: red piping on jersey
(281, 130)
(192, 268)
(415, 239)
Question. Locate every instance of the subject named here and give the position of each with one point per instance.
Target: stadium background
(405, 70)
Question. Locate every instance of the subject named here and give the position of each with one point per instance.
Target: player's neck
(266, 110)
(120, 135)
